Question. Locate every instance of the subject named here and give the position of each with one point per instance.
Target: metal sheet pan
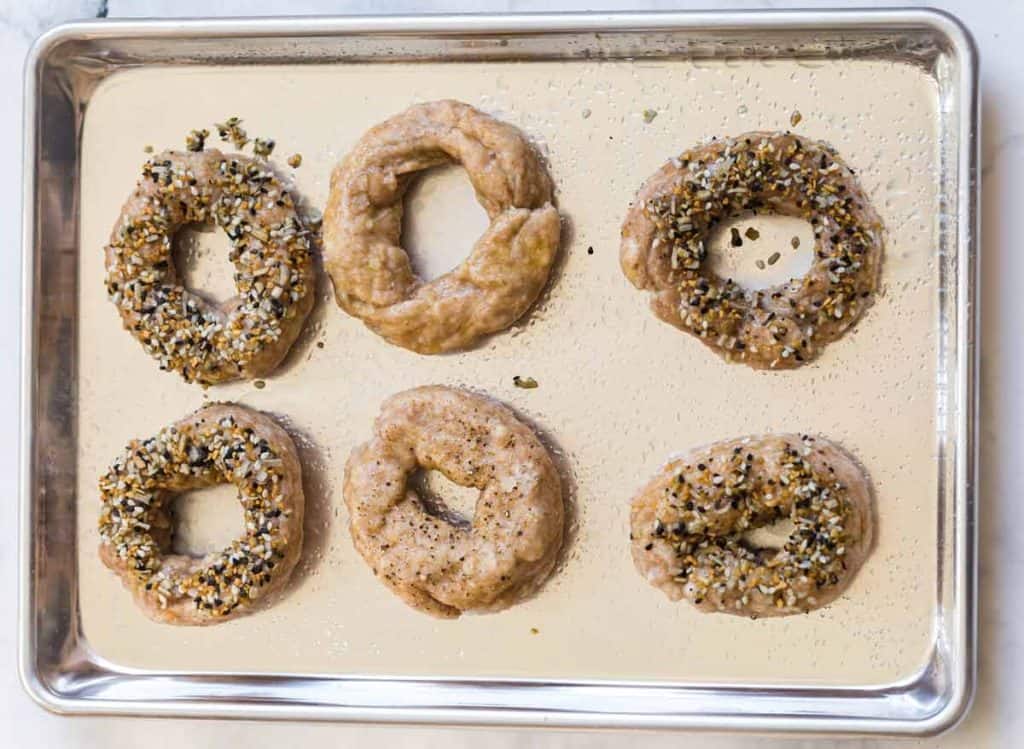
(67, 660)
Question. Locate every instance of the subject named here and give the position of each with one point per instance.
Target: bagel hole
(754, 264)
(443, 498)
(200, 253)
(205, 520)
(772, 537)
(442, 220)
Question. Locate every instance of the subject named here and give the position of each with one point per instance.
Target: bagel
(665, 237)
(689, 525)
(217, 444)
(435, 562)
(247, 335)
(508, 266)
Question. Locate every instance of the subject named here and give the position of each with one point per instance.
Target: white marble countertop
(995, 721)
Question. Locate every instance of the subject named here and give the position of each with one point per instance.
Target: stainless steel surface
(57, 665)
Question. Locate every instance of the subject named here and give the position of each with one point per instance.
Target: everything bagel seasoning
(665, 246)
(270, 249)
(691, 526)
(135, 524)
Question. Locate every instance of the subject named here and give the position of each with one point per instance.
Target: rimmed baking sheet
(619, 392)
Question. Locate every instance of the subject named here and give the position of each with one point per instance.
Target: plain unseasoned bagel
(215, 445)
(688, 525)
(665, 234)
(507, 267)
(247, 335)
(434, 564)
